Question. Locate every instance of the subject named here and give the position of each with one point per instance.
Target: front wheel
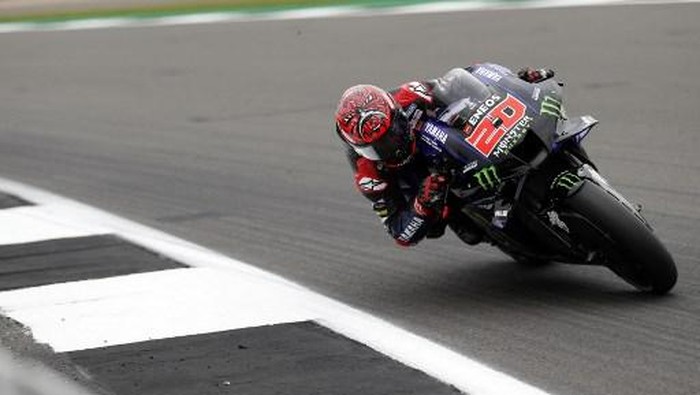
(623, 242)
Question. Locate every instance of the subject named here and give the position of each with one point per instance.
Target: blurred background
(22, 10)
(222, 134)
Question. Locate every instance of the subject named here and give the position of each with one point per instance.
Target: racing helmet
(375, 126)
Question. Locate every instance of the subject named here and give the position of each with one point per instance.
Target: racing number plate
(492, 121)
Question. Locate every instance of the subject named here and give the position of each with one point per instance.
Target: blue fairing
(438, 143)
(544, 100)
(575, 129)
(491, 112)
(437, 139)
(502, 78)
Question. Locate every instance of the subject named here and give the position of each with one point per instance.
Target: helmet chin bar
(388, 151)
(367, 152)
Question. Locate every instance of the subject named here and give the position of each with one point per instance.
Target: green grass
(178, 7)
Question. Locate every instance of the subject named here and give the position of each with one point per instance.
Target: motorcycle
(519, 172)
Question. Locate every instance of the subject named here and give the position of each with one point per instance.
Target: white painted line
(314, 13)
(28, 224)
(30, 305)
(170, 303)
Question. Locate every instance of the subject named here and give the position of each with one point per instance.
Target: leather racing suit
(392, 191)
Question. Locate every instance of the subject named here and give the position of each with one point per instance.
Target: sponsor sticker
(437, 133)
(469, 167)
(488, 73)
(411, 229)
(487, 177)
(368, 184)
(512, 138)
(483, 109)
(552, 107)
(420, 90)
(566, 181)
(432, 135)
(493, 120)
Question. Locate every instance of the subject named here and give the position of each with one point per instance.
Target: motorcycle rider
(379, 132)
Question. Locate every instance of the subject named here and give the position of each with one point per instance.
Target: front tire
(627, 245)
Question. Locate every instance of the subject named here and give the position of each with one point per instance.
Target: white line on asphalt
(311, 13)
(28, 224)
(29, 305)
(164, 304)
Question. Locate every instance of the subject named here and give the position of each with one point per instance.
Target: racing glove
(535, 75)
(430, 201)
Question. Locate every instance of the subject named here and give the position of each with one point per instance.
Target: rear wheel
(623, 242)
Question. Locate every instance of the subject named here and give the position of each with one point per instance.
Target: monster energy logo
(566, 180)
(551, 106)
(487, 177)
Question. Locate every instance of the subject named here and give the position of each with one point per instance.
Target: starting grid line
(309, 13)
(215, 293)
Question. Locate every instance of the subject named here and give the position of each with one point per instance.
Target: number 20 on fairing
(495, 124)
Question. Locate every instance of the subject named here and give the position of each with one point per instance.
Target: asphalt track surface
(222, 134)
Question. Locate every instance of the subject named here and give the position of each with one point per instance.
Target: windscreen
(459, 84)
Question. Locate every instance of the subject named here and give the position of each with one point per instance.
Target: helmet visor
(395, 147)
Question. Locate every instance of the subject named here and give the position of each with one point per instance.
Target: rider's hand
(432, 194)
(535, 75)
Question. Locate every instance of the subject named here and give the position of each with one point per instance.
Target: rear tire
(629, 248)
